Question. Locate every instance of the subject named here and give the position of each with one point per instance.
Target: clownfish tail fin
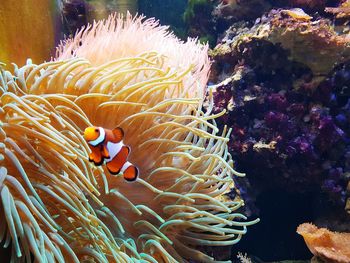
(118, 134)
(131, 173)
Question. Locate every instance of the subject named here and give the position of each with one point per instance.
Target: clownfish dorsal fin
(118, 134)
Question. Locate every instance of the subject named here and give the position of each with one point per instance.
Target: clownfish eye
(97, 130)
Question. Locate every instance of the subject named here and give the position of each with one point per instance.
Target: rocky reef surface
(282, 73)
(284, 84)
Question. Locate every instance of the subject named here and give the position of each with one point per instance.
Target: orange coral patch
(328, 245)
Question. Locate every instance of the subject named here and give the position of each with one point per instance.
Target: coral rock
(341, 11)
(296, 32)
(287, 102)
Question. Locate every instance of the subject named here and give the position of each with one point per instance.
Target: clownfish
(107, 145)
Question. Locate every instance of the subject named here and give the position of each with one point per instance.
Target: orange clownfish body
(107, 145)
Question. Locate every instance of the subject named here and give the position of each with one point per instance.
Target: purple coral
(293, 127)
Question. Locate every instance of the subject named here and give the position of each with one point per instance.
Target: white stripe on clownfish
(100, 138)
(113, 149)
(125, 166)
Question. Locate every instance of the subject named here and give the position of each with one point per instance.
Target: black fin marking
(99, 163)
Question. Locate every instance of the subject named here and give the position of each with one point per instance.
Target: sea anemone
(57, 206)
